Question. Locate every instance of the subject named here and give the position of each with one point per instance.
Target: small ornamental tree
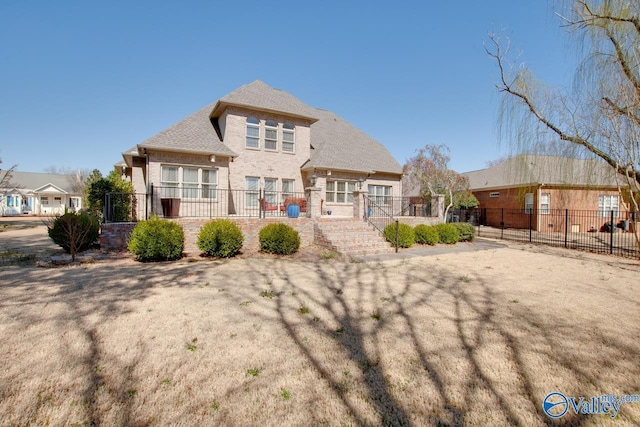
(74, 232)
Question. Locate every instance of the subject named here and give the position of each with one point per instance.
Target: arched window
(288, 137)
(253, 133)
(270, 135)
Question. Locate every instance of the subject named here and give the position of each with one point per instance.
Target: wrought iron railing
(186, 202)
(600, 231)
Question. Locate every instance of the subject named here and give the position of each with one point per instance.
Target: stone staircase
(350, 237)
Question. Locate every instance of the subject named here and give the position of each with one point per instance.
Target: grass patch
(253, 372)
(329, 255)
(215, 405)
(303, 309)
(268, 294)
(285, 394)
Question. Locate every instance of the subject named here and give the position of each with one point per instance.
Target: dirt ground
(463, 338)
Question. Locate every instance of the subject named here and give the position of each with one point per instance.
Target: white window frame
(528, 203)
(271, 191)
(545, 203)
(380, 194)
(252, 186)
(270, 135)
(494, 194)
(253, 124)
(288, 129)
(288, 188)
(340, 191)
(188, 190)
(606, 205)
(44, 200)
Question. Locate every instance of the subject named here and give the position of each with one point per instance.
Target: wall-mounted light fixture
(314, 178)
(212, 158)
(328, 173)
(360, 181)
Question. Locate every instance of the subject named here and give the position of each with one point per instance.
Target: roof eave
(221, 106)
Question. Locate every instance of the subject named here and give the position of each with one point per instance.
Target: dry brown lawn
(475, 338)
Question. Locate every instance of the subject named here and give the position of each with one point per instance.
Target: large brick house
(546, 187)
(261, 145)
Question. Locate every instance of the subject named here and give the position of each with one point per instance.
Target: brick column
(358, 204)
(437, 206)
(313, 202)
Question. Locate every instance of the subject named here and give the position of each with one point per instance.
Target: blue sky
(82, 81)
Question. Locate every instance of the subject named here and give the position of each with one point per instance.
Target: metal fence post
(612, 229)
(397, 233)
(566, 226)
(151, 203)
(502, 223)
(530, 225)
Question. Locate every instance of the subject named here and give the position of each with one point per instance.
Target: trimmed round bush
(279, 239)
(220, 238)
(406, 238)
(75, 232)
(157, 240)
(448, 233)
(467, 231)
(426, 234)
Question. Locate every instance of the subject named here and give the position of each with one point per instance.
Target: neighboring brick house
(39, 194)
(546, 187)
(261, 141)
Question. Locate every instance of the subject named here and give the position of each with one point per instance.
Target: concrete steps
(350, 237)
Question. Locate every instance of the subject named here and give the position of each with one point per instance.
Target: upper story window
(253, 133)
(270, 135)
(288, 138)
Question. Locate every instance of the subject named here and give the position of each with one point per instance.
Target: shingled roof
(30, 181)
(532, 170)
(335, 143)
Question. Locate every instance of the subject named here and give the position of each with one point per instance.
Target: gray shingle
(528, 169)
(34, 181)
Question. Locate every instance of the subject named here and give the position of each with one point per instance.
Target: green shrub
(467, 231)
(448, 233)
(220, 238)
(279, 239)
(156, 240)
(426, 234)
(75, 232)
(406, 237)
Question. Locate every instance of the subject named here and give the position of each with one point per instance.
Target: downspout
(539, 199)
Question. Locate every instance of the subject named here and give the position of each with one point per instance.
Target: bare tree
(6, 175)
(428, 171)
(77, 178)
(600, 117)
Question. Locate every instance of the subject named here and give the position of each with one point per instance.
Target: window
(44, 200)
(253, 191)
(340, 191)
(57, 199)
(270, 190)
(287, 188)
(190, 183)
(209, 183)
(270, 135)
(528, 203)
(169, 181)
(288, 137)
(608, 203)
(545, 203)
(494, 194)
(74, 202)
(253, 133)
(380, 194)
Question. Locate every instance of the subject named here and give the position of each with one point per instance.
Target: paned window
(340, 191)
(287, 188)
(608, 203)
(380, 194)
(253, 133)
(189, 183)
(253, 191)
(288, 138)
(270, 135)
(270, 190)
(209, 183)
(545, 203)
(528, 203)
(169, 182)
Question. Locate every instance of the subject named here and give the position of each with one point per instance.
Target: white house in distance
(39, 194)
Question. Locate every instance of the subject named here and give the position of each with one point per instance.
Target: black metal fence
(608, 232)
(172, 202)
